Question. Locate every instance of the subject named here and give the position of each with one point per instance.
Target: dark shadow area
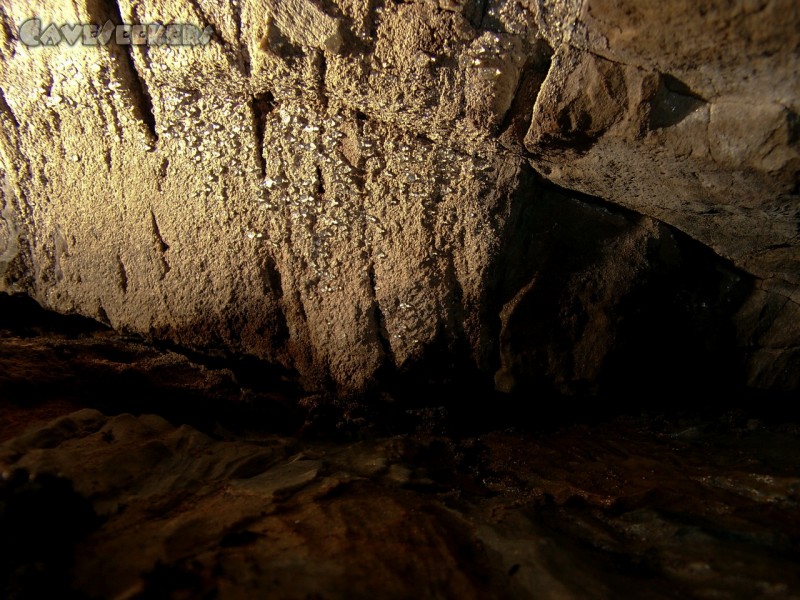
(41, 520)
(21, 316)
(76, 362)
(603, 311)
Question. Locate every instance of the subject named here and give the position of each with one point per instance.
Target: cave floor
(101, 500)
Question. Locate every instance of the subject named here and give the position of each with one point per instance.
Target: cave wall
(347, 188)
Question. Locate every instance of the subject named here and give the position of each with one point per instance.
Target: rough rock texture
(213, 498)
(134, 507)
(687, 113)
(347, 189)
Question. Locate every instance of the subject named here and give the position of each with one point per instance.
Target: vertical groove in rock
(243, 48)
(261, 106)
(163, 171)
(160, 245)
(274, 289)
(141, 93)
(8, 33)
(378, 320)
(123, 275)
(323, 84)
(320, 183)
(126, 63)
(6, 109)
(205, 20)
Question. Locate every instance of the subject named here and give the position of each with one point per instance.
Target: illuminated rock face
(344, 189)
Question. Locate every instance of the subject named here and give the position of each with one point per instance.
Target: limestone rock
(687, 113)
(341, 189)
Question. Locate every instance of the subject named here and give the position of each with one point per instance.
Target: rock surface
(348, 189)
(234, 491)
(142, 508)
(687, 113)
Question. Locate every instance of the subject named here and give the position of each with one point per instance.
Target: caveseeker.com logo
(32, 33)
